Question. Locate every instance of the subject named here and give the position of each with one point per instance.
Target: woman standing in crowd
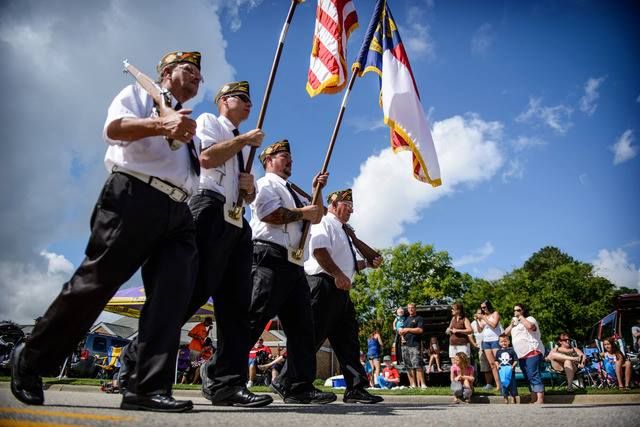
(525, 337)
(374, 348)
(458, 331)
(489, 325)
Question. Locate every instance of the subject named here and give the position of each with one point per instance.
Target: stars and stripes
(335, 21)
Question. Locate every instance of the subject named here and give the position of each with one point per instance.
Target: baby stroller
(109, 366)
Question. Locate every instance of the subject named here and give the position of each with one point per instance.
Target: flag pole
(236, 211)
(298, 253)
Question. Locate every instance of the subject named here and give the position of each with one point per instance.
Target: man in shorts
(411, 349)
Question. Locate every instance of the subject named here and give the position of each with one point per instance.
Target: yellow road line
(49, 413)
(28, 423)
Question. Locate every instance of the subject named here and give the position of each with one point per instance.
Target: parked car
(10, 334)
(91, 351)
(618, 323)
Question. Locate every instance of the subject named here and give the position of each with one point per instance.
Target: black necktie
(193, 154)
(239, 155)
(296, 199)
(353, 252)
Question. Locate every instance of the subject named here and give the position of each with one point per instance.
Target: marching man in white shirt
(141, 219)
(279, 284)
(224, 243)
(330, 269)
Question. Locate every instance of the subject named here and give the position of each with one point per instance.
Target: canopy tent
(128, 302)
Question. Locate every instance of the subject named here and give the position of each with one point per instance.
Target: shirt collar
(227, 123)
(275, 177)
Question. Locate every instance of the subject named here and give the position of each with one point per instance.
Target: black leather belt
(275, 246)
(213, 194)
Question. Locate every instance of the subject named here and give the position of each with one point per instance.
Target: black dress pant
(224, 273)
(133, 225)
(334, 317)
(280, 288)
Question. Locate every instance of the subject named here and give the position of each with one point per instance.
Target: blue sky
(534, 107)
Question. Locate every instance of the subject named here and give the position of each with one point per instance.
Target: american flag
(335, 21)
(383, 53)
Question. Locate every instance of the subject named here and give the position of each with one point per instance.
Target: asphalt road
(90, 408)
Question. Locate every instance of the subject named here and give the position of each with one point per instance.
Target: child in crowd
(434, 355)
(398, 322)
(462, 378)
(506, 362)
(390, 376)
(614, 363)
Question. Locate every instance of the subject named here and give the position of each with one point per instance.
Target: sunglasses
(243, 98)
(564, 339)
(517, 309)
(483, 307)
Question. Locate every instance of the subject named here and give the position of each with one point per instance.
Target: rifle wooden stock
(365, 250)
(160, 96)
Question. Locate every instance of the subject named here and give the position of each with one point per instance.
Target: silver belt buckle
(178, 195)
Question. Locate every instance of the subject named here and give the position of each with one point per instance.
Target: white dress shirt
(151, 155)
(224, 178)
(272, 194)
(329, 234)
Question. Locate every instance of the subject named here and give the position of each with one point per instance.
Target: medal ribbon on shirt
(193, 154)
(353, 252)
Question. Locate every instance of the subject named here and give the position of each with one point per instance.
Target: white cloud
(477, 255)
(28, 289)
(525, 142)
(623, 149)
(233, 7)
(468, 153)
(583, 178)
(416, 36)
(557, 118)
(62, 63)
(482, 39)
(493, 273)
(588, 103)
(615, 266)
(364, 124)
(514, 170)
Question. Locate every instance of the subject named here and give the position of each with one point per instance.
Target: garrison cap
(176, 57)
(340, 196)
(233, 88)
(275, 148)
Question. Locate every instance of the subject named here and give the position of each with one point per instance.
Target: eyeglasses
(191, 70)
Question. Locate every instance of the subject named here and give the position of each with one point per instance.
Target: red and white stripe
(335, 20)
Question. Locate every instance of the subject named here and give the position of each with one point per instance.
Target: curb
(563, 399)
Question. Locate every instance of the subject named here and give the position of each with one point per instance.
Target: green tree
(410, 273)
(561, 293)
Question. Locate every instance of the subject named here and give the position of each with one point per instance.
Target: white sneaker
(249, 384)
(423, 386)
(488, 387)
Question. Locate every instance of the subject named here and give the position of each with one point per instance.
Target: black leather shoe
(26, 386)
(240, 396)
(279, 389)
(156, 403)
(359, 395)
(312, 396)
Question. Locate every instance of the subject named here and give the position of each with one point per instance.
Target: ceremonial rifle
(365, 250)
(161, 96)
